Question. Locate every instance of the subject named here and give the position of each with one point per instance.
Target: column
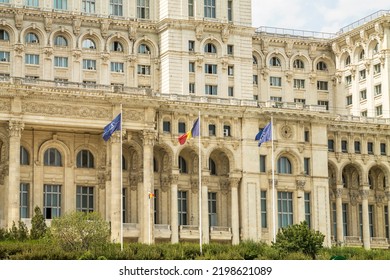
(388, 206)
(174, 207)
(116, 198)
(205, 210)
(364, 191)
(339, 214)
(234, 182)
(300, 184)
(15, 131)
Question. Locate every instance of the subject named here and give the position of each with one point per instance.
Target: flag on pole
(151, 195)
(189, 134)
(112, 127)
(265, 134)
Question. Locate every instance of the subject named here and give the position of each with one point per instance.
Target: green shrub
(38, 225)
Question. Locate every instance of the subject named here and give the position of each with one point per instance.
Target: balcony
(379, 243)
(220, 233)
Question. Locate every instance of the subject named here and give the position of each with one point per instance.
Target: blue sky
(313, 15)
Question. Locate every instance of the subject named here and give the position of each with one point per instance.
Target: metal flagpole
(273, 179)
(121, 182)
(200, 188)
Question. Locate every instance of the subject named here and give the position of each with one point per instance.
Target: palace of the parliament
(68, 67)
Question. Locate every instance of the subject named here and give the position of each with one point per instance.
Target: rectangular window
(191, 88)
(191, 67)
(300, 100)
(230, 70)
(230, 91)
(370, 148)
(255, 80)
(276, 98)
(182, 127)
(167, 126)
(212, 131)
(275, 81)
(209, 9)
(371, 219)
(362, 74)
(226, 131)
(383, 149)
(190, 8)
(348, 80)
(357, 147)
(330, 145)
(377, 68)
(344, 146)
(60, 61)
(143, 70)
(51, 201)
(143, 9)
(377, 89)
(60, 4)
(386, 210)
(307, 166)
(116, 7)
(363, 113)
(363, 94)
(323, 103)
(378, 110)
(32, 3)
(191, 46)
(84, 199)
(322, 85)
(4, 56)
(230, 49)
(334, 221)
(230, 10)
(349, 100)
(299, 83)
(212, 201)
(182, 207)
(89, 64)
(117, 67)
(211, 90)
(345, 219)
(210, 68)
(124, 206)
(155, 207)
(285, 209)
(306, 136)
(263, 205)
(263, 163)
(88, 6)
(307, 209)
(24, 200)
(32, 59)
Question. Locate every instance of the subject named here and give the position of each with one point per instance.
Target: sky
(313, 15)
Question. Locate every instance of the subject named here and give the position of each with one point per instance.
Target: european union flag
(112, 127)
(265, 134)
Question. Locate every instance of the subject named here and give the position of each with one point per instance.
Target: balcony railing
(294, 33)
(362, 21)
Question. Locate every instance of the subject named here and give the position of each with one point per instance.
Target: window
(299, 83)
(230, 70)
(275, 81)
(182, 165)
(32, 3)
(298, 64)
(143, 8)
(116, 7)
(348, 60)
(377, 89)
(363, 113)
(212, 202)
(155, 207)
(4, 36)
(124, 207)
(322, 85)
(85, 159)
(230, 91)
(210, 48)
(263, 206)
(254, 60)
(143, 69)
(212, 167)
(284, 166)
(363, 94)
(182, 127)
(32, 59)
(276, 98)
(349, 100)
(348, 80)
(84, 199)
(52, 157)
(377, 68)
(211, 90)
(143, 49)
(116, 47)
(88, 6)
(370, 148)
(323, 103)
(191, 67)
(4, 56)
(24, 200)
(285, 209)
(190, 8)
(263, 166)
(361, 55)
(334, 220)
(191, 46)
(124, 163)
(117, 67)
(274, 61)
(306, 135)
(386, 216)
(60, 61)
(226, 131)
(24, 156)
(51, 201)
(60, 41)
(209, 9)
(230, 10)
(306, 166)
(88, 44)
(89, 64)
(330, 145)
(212, 131)
(322, 66)
(60, 4)
(357, 147)
(370, 219)
(182, 207)
(362, 74)
(383, 149)
(378, 110)
(344, 146)
(345, 219)
(210, 68)
(307, 209)
(155, 165)
(230, 49)
(31, 38)
(167, 126)
(191, 87)
(255, 79)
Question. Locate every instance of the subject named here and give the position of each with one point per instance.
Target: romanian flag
(151, 195)
(189, 134)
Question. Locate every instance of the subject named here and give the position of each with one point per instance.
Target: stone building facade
(67, 68)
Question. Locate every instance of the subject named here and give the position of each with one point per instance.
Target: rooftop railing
(362, 21)
(294, 33)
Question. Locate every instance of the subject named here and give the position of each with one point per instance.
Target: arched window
(89, 44)
(116, 46)
(361, 55)
(212, 167)
(60, 41)
(24, 156)
(143, 49)
(52, 157)
(348, 60)
(274, 61)
(4, 36)
(298, 64)
(322, 66)
(124, 163)
(210, 48)
(182, 165)
(284, 166)
(254, 60)
(32, 38)
(85, 159)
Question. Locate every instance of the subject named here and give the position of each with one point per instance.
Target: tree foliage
(299, 238)
(38, 225)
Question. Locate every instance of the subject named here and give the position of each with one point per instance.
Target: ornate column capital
(234, 182)
(300, 184)
(116, 137)
(148, 137)
(364, 193)
(174, 178)
(194, 185)
(15, 128)
(270, 182)
(387, 193)
(339, 192)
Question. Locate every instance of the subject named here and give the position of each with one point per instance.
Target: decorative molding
(286, 131)
(19, 19)
(48, 21)
(133, 115)
(5, 105)
(76, 25)
(199, 31)
(104, 27)
(15, 128)
(300, 184)
(364, 194)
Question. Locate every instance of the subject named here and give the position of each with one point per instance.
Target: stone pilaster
(234, 183)
(174, 208)
(116, 198)
(364, 191)
(300, 184)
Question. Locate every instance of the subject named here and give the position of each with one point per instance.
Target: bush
(38, 225)
(299, 238)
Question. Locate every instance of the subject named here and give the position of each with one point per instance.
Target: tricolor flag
(112, 127)
(192, 133)
(151, 195)
(265, 134)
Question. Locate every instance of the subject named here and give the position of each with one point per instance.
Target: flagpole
(121, 180)
(200, 188)
(273, 179)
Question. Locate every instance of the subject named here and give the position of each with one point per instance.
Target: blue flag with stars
(265, 134)
(112, 127)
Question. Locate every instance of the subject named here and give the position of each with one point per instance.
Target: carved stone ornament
(19, 49)
(19, 19)
(225, 33)
(133, 31)
(104, 57)
(199, 31)
(174, 179)
(286, 131)
(339, 192)
(364, 194)
(132, 115)
(76, 25)
(48, 23)
(224, 185)
(194, 186)
(300, 184)
(165, 183)
(48, 51)
(76, 54)
(5, 105)
(15, 128)
(353, 196)
(104, 27)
